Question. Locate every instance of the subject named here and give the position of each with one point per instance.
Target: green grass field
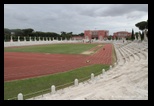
(53, 48)
(31, 85)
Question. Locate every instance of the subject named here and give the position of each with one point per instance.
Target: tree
(66, 35)
(142, 35)
(132, 37)
(63, 35)
(18, 32)
(109, 37)
(136, 34)
(28, 31)
(81, 34)
(116, 38)
(142, 25)
(128, 38)
(7, 34)
(69, 35)
(7, 31)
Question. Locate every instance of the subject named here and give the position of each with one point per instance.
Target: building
(95, 34)
(121, 34)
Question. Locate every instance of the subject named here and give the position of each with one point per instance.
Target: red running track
(26, 65)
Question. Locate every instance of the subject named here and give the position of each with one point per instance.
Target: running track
(25, 65)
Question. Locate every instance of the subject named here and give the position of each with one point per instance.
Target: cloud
(74, 17)
(114, 10)
(122, 9)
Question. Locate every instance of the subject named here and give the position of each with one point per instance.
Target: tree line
(29, 32)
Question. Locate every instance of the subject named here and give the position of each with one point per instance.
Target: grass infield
(53, 48)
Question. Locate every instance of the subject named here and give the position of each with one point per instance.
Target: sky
(75, 17)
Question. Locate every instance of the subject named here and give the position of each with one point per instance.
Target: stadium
(76, 70)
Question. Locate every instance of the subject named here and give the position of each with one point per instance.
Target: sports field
(41, 60)
(53, 48)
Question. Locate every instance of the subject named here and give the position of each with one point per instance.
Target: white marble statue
(145, 35)
(18, 38)
(24, 38)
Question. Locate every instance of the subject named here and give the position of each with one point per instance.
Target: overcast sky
(75, 17)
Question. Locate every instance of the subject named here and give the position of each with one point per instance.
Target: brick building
(121, 34)
(95, 34)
